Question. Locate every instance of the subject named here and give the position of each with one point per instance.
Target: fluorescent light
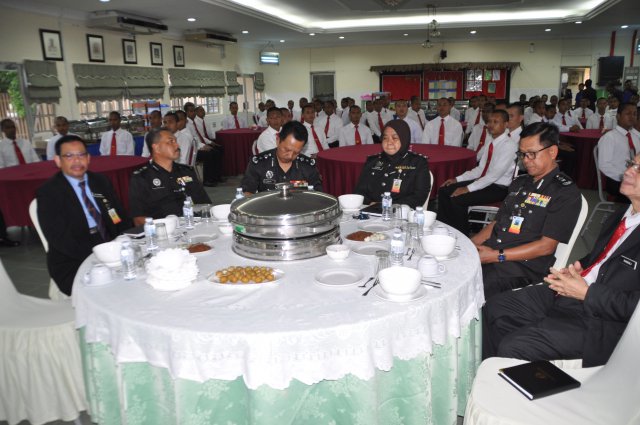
(312, 34)
(191, 19)
(624, 26)
(245, 32)
(341, 37)
(105, 1)
(281, 41)
(473, 32)
(547, 29)
(405, 34)
(578, 22)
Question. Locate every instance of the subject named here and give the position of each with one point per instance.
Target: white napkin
(172, 269)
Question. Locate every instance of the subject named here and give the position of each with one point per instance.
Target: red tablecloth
(237, 149)
(584, 173)
(18, 184)
(341, 167)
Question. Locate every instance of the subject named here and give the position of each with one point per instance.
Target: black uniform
(531, 210)
(263, 172)
(156, 192)
(406, 179)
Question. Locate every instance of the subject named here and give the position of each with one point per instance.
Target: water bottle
(418, 218)
(239, 193)
(397, 248)
(386, 206)
(187, 212)
(128, 260)
(150, 234)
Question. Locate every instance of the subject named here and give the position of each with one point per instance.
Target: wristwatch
(501, 257)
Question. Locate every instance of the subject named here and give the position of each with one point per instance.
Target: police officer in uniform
(282, 164)
(396, 170)
(540, 211)
(160, 188)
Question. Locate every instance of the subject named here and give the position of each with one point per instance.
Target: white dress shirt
(418, 117)
(335, 124)
(613, 151)
(500, 169)
(344, 115)
(474, 140)
(295, 114)
(374, 124)
(204, 129)
(197, 135)
(452, 131)
(528, 111)
(267, 140)
(188, 144)
(577, 113)
(515, 134)
(124, 143)
(470, 119)
(310, 147)
(229, 122)
(593, 122)
(534, 118)
(568, 119)
(455, 114)
(51, 145)
(348, 135)
(8, 157)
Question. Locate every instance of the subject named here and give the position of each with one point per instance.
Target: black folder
(538, 379)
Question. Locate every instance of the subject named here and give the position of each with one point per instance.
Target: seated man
(208, 152)
(77, 209)
(116, 141)
(14, 151)
(586, 307)
(316, 141)
(233, 121)
(62, 129)
(563, 118)
(600, 119)
(480, 135)
(285, 164)
(443, 129)
(615, 147)
(537, 113)
(416, 113)
(268, 139)
(582, 112)
(155, 122)
(329, 123)
(160, 188)
(402, 111)
(355, 133)
(377, 120)
(186, 142)
(540, 211)
(487, 183)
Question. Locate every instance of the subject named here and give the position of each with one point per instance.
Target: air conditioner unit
(118, 21)
(209, 37)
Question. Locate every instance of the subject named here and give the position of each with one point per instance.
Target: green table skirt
(429, 389)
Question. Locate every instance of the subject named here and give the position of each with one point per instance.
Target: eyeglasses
(71, 156)
(530, 155)
(634, 165)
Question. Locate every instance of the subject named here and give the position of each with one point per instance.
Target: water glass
(205, 213)
(382, 261)
(161, 232)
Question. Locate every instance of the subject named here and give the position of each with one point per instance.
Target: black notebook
(538, 379)
(374, 209)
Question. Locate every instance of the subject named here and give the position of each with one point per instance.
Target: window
(211, 105)
(248, 99)
(101, 109)
(45, 116)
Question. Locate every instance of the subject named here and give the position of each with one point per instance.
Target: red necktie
(421, 124)
(19, 155)
(204, 127)
(198, 133)
(114, 145)
(441, 133)
(489, 155)
(357, 136)
(564, 121)
(601, 126)
(583, 114)
(617, 234)
(235, 117)
(380, 123)
(482, 138)
(477, 117)
(317, 140)
(326, 128)
(631, 147)
(95, 214)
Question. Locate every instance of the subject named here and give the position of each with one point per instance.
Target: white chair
(489, 212)
(426, 202)
(40, 364)
(603, 205)
(564, 249)
(608, 395)
(54, 292)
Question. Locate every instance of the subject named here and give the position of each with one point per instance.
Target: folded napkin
(171, 270)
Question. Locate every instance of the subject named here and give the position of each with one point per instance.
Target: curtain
(196, 82)
(143, 83)
(258, 84)
(108, 82)
(232, 83)
(42, 81)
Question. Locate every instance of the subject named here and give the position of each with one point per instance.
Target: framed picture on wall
(129, 53)
(178, 56)
(156, 53)
(95, 47)
(51, 45)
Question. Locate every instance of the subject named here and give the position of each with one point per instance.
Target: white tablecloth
(269, 335)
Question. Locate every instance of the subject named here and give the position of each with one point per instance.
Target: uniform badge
(156, 182)
(269, 174)
(378, 165)
(537, 199)
(516, 224)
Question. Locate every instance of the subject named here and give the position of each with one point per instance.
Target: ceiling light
(105, 1)
(281, 41)
(405, 34)
(341, 37)
(547, 29)
(473, 32)
(245, 32)
(191, 19)
(578, 22)
(312, 34)
(624, 26)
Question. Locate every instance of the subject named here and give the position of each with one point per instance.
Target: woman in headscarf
(396, 170)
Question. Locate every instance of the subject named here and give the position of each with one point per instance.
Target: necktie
(316, 139)
(357, 136)
(601, 126)
(204, 127)
(326, 128)
(477, 117)
(380, 123)
(19, 155)
(583, 114)
(198, 133)
(564, 121)
(235, 117)
(441, 133)
(631, 147)
(617, 234)
(489, 155)
(421, 123)
(482, 138)
(114, 145)
(95, 214)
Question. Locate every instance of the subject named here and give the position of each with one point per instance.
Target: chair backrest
(254, 147)
(601, 195)
(33, 213)
(8, 292)
(426, 202)
(564, 249)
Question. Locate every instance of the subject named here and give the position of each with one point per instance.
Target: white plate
(421, 292)
(375, 226)
(87, 280)
(386, 238)
(200, 238)
(339, 277)
(368, 248)
(451, 256)
(277, 274)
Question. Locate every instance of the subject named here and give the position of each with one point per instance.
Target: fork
(375, 282)
(364, 285)
(413, 250)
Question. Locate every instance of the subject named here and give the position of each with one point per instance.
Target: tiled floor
(26, 264)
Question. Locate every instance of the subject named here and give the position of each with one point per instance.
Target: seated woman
(405, 174)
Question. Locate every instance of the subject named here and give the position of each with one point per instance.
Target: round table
(341, 167)
(237, 145)
(584, 172)
(18, 184)
(301, 351)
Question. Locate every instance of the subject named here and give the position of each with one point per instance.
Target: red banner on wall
(402, 86)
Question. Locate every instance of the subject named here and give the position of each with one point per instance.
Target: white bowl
(438, 245)
(338, 252)
(350, 202)
(108, 252)
(399, 281)
(221, 212)
(169, 223)
(225, 229)
(429, 218)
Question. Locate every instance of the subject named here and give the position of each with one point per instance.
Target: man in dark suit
(582, 310)
(77, 209)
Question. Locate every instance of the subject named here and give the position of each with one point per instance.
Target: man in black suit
(582, 310)
(77, 209)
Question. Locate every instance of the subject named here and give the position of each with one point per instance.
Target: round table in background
(584, 173)
(237, 145)
(18, 184)
(340, 168)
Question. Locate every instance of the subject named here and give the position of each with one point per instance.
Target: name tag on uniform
(516, 224)
(299, 183)
(629, 262)
(537, 199)
(114, 216)
(396, 185)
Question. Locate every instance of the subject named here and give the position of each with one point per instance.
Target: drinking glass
(382, 261)
(205, 213)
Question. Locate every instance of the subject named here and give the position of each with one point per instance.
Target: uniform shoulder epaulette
(182, 166)
(261, 156)
(522, 176)
(305, 159)
(416, 154)
(563, 179)
(141, 170)
(374, 156)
